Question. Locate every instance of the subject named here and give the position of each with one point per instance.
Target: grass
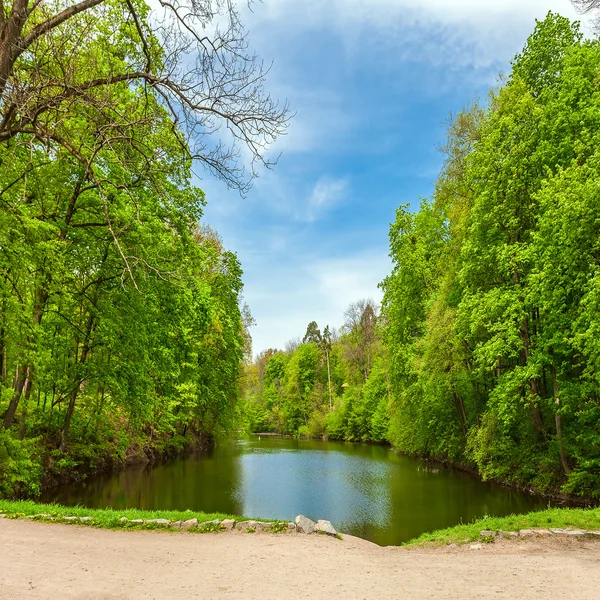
(552, 518)
(106, 518)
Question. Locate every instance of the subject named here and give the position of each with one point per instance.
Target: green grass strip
(552, 518)
(106, 518)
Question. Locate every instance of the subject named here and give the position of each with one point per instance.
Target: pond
(364, 490)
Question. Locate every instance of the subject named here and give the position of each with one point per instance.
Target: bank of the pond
(104, 518)
(586, 519)
(546, 520)
(29, 475)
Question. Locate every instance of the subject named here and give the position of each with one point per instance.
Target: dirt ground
(52, 561)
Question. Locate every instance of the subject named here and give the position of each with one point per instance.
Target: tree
(326, 347)
(360, 324)
(313, 334)
(62, 60)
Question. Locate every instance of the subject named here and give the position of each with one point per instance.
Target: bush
(20, 468)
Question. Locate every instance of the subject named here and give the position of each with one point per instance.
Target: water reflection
(364, 490)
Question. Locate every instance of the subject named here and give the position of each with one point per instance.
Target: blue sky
(373, 83)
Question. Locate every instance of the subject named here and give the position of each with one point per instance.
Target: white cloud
(286, 297)
(457, 33)
(326, 193)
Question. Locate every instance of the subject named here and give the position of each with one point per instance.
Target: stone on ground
(245, 525)
(228, 524)
(189, 523)
(209, 523)
(304, 524)
(325, 527)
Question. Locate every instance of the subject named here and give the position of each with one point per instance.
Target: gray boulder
(245, 525)
(228, 524)
(157, 521)
(509, 534)
(526, 532)
(209, 523)
(325, 527)
(304, 524)
(189, 523)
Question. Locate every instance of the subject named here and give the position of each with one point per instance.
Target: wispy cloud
(326, 193)
(286, 298)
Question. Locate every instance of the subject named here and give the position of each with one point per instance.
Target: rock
(291, 526)
(3, 516)
(487, 533)
(541, 531)
(559, 531)
(245, 525)
(509, 534)
(576, 532)
(176, 524)
(228, 524)
(123, 519)
(138, 521)
(526, 532)
(594, 534)
(213, 523)
(304, 524)
(263, 526)
(85, 519)
(70, 518)
(189, 523)
(160, 521)
(326, 527)
(41, 516)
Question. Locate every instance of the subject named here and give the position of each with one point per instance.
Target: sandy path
(51, 561)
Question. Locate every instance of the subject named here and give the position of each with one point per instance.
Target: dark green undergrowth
(559, 518)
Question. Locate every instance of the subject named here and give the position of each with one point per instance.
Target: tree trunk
(24, 411)
(534, 384)
(329, 382)
(563, 454)
(21, 380)
(71, 408)
(462, 415)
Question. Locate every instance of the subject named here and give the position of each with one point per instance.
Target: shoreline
(486, 530)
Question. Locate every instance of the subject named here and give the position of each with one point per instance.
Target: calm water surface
(364, 490)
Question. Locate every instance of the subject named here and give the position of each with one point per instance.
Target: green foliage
(20, 467)
(120, 321)
(290, 392)
(491, 309)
